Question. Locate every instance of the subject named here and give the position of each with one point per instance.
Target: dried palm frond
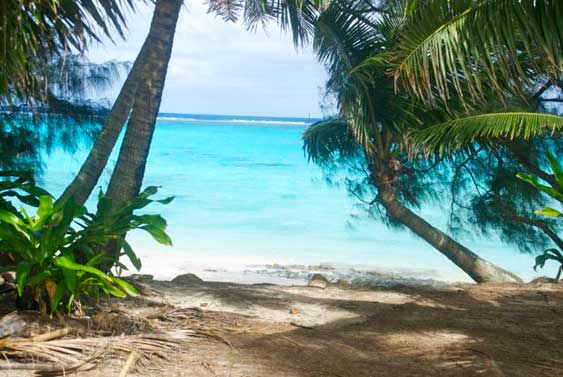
(204, 322)
(71, 355)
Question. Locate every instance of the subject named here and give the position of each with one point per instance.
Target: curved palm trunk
(91, 170)
(83, 184)
(477, 268)
(128, 175)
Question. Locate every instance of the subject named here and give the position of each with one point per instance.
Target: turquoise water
(246, 195)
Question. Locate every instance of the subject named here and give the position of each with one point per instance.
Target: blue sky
(221, 68)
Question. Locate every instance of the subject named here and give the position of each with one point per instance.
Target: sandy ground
(463, 330)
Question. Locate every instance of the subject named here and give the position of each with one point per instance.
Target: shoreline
(297, 274)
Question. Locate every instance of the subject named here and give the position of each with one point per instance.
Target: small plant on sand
(555, 190)
(61, 250)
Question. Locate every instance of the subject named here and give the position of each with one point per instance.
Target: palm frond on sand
(65, 356)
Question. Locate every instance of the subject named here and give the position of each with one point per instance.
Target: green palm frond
(461, 132)
(444, 44)
(229, 10)
(299, 16)
(35, 31)
(325, 141)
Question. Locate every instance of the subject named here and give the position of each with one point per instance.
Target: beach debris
(12, 325)
(65, 356)
(118, 323)
(128, 364)
(187, 279)
(318, 281)
(301, 326)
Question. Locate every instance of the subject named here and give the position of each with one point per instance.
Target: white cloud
(221, 68)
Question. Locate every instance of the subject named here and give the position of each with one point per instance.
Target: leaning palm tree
(368, 138)
(461, 49)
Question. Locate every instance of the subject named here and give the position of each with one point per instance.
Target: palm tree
(369, 136)
(139, 98)
(461, 49)
(158, 41)
(128, 174)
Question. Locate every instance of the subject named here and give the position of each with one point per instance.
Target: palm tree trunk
(128, 175)
(83, 184)
(477, 268)
(90, 172)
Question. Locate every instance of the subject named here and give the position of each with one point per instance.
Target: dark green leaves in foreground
(62, 250)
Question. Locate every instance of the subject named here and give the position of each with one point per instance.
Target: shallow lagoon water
(246, 196)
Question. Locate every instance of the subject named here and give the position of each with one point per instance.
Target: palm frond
(445, 137)
(68, 355)
(229, 10)
(325, 141)
(444, 44)
(34, 31)
(298, 16)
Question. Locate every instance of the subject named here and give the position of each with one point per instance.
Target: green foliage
(35, 31)
(550, 254)
(554, 190)
(297, 15)
(62, 118)
(448, 136)
(375, 136)
(61, 248)
(463, 48)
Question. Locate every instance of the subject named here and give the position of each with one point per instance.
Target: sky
(221, 68)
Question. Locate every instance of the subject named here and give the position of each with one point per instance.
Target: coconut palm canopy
(464, 50)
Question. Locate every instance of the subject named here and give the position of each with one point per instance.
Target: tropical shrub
(555, 190)
(61, 249)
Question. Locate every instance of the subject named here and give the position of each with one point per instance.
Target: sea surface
(249, 207)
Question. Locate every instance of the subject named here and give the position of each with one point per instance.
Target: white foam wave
(238, 121)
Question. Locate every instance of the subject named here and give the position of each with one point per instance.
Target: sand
(457, 330)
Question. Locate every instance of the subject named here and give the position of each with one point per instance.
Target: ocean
(250, 207)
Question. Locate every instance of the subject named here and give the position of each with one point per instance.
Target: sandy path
(487, 330)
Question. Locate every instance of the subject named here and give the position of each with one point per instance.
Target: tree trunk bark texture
(477, 268)
(83, 184)
(128, 175)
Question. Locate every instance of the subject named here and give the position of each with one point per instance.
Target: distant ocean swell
(248, 120)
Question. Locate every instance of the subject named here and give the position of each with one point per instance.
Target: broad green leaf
(135, 261)
(22, 272)
(65, 262)
(39, 278)
(112, 290)
(548, 212)
(128, 288)
(158, 234)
